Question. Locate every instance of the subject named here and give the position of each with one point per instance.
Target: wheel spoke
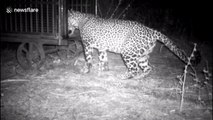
(25, 50)
(30, 55)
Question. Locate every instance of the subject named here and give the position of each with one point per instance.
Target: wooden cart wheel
(30, 55)
(70, 51)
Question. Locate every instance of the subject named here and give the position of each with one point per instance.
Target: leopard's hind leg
(143, 63)
(130, 61)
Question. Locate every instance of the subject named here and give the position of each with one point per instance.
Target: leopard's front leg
(103, 61)
(88, 56)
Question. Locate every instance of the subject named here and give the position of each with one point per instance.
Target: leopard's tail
(172, 47)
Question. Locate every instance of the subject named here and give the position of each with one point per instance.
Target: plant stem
(183, 88)
(184, 77)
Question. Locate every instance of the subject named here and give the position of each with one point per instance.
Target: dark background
(193, 16)
(185, 19)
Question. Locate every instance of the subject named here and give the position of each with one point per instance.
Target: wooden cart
(35, 23)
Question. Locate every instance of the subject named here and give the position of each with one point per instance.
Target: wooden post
(36, 18)
(96, 7)
(25, 20)
(53, 18)
(48, 18)
(60, 16)
(42, 18)
(21, 25)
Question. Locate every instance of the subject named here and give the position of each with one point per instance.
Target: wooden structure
(35, 23)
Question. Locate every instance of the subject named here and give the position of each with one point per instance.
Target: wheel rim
(30, 55)
(70, 51)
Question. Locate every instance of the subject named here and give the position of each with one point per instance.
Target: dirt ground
(59, 91)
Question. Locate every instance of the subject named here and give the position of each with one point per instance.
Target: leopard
(131, 39)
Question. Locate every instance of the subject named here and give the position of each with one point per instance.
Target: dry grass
(8, 63)
(62, 93)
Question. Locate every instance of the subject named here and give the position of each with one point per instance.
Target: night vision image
(106, 60)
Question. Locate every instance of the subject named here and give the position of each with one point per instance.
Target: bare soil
(59, 91)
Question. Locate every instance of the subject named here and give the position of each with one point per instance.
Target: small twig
(167, 89)
(13, 80)
(183, 88)
(111, 4)
(99, 9)
(115, 9)
(161, 47)
(125, 9)
(76, 61)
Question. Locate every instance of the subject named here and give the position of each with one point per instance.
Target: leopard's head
(74, 19)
